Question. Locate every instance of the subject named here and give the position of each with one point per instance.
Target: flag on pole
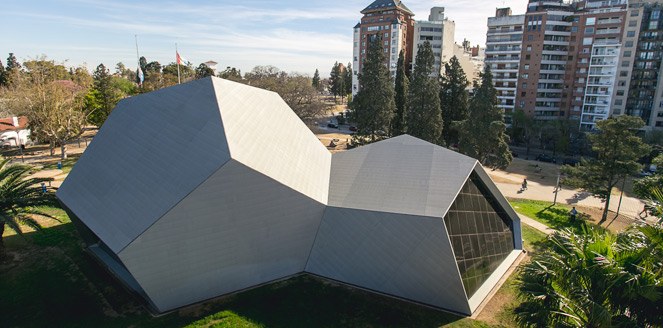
(140, 76)
(181, 60)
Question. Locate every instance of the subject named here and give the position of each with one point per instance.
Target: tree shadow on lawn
(54, 282)
(560, 218)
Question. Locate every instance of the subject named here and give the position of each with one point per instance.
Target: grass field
(52, 282)
(556, 217)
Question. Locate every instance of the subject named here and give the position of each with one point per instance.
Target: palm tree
(19, 195)
(594, 279)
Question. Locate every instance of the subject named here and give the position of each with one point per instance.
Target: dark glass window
(481, 233)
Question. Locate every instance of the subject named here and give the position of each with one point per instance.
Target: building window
(627, 53)
(523, 94)
(632, 23)
(628, 44)
(653, 25)
(525, 75)
(635, 13)
(527, 57)
(480, 231)
(529, 48)
(386, 35)
(621, 83)
(522, 104)
(524, 85)
(589, 30)
(590, 21)
(530, 37)
(623, 73)
(526, 66)
(630, 34)
(587, 41)
(626, 63)
(618, 101)
(620, 92)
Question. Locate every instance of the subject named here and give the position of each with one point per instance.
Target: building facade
(503, 47)
(390, 21)
(639, 89)
(439, 31)
(581, 60)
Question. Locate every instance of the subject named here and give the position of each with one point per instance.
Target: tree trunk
(604, 217)
(63, 150)
(2, 242)
(51, 146)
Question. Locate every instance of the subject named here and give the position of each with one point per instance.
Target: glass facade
(481, 233)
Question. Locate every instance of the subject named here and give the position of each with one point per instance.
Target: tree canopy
(399, 124)
(617, 148)
(373, 106)
(483, 134)
(453, 99)
(424, 119)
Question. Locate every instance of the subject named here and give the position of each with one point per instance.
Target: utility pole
(556, 188)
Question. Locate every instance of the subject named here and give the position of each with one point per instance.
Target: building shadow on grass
(53, 281)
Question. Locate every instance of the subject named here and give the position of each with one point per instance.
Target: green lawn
(67, 164)
(56, 284)
(556, 217)
(532, 238)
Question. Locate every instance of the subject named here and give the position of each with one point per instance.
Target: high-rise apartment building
(583, 59)
(391, 21)
(439, 31)
(639, 90)
(503, 47)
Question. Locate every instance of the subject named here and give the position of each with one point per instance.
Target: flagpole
(177, 60)
(138, 60)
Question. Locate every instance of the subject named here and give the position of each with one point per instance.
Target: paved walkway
(536, 224)
(509, 185)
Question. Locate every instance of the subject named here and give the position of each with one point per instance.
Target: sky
(295, 36)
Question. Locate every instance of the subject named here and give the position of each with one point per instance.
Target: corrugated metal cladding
(211, 187)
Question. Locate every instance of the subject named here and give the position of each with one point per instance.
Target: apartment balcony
(556, 43)
(553, 62)
(558, 23)
(608, 31)
(555, 52)
(513, 88)
(560, 33)
(609, 21)
(551, 80)
(598, 94)
(605, 54)
(549, 99)
(597, 103)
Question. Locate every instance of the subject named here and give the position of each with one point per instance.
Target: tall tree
(82, 77)
(12, 70)
(43, 69)
(618, 148)
(453, 99)
(20, 196)
(231, 73)
(335, 80)
(424, 119)
(524, 128)
(373, 106)
(316, 80)
(102, 98)
(483, 134)
(203, 71)
(169, 73)
(399, 124)
(55, 110)
(347, 80)
(3, 74)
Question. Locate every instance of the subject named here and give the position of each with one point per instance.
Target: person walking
(524, 184)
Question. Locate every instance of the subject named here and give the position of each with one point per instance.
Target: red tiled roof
(7, 124)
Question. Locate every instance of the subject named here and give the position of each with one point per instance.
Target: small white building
(14, 131)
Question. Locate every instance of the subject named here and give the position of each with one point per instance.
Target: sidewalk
(535, 224)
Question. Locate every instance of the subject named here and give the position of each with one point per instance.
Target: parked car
(514, 154)
(545, 158)
(571, 161)
(332, 125)
(352, 128)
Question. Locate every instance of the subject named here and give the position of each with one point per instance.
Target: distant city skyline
(295, 36)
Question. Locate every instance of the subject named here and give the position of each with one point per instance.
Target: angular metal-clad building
(212, 187)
